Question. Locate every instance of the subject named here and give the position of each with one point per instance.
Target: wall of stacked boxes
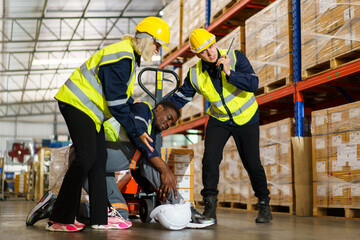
(330, 37)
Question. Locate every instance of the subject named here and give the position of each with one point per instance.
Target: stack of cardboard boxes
(336, 156)
(329, 29)
(181, 161)
(276, 156)
(269, 44)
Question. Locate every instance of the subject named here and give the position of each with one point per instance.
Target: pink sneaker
(117, 217)
(61, 227)
(115, 221)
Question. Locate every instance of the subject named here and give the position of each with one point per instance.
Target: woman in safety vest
(97, 90)
(227, 80)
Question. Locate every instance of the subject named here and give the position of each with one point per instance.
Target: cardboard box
(270, 34)
(321, 194)
(173, 14)
(193, 17)
(238, 35)
(331, 27)
(184, 155)
(196, 107)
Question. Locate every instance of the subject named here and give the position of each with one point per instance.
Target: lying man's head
(165, 115)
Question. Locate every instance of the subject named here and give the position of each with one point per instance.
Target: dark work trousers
(90, 162)
(247, 142)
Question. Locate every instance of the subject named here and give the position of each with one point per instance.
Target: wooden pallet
(332, 63)
(283, 82)
(249, 206)
(348, 213)
(274, 208)
(224, 10)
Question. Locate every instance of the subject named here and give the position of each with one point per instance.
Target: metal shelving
(329, 88)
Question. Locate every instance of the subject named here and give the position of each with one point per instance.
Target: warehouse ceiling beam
(114, 24)
(69, 18)
(60, 40)
(9, 110)
(38, 30)
(68, 46)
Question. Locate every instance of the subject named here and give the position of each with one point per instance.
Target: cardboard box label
(336, 117)
(285, 148)
(263, 134)
(320, 143)
(273, 131)
(346, 153)
(321, 190)
(182, 157)
(284, 128)
(354, 112)
(337, 190)
(285, 169)
(183, 181)
(185, 193)
(320, 166)
(354, 137)
(285, 190)
(269, 154)
(337, 166)
(182, 168)
(273, 170)
(355, 189)
(274, 191)
(319, 120)
(336, 140)
(325, 5)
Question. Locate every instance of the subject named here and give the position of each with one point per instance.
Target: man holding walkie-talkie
(227, 80)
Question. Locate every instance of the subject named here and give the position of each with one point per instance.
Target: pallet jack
(135, 189)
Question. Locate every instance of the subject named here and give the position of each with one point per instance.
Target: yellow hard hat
(157, 28)
(200, 39)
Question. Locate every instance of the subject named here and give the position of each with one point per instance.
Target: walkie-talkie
(221, 67)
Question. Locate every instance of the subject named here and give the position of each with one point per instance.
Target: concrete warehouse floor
(232, 224)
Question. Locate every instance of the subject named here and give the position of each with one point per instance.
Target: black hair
(169, 104)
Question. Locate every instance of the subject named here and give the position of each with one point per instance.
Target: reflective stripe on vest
(233, 98)
(237, 112)
(85, 100)
(83, 89)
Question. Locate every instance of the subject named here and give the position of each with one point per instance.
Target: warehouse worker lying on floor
(123, 155)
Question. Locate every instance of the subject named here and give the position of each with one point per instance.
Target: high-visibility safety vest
(232, 103)
(84, 90)
(114, 132)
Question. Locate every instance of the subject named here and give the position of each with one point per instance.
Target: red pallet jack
(139, 199)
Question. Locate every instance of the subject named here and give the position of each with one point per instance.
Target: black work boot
(198, 220)
(210, 207)
(264, 215)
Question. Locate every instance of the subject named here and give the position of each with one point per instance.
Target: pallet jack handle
(159, 83)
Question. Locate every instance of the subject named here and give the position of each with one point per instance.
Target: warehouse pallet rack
(337, 85)
(329, 88)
